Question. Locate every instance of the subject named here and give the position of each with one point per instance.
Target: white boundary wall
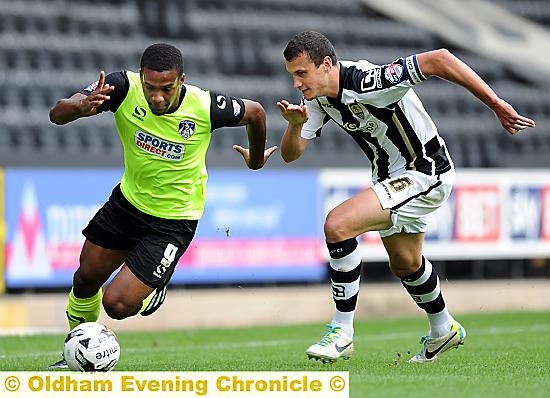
(234, 307)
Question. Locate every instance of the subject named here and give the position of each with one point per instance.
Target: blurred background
(262, 231)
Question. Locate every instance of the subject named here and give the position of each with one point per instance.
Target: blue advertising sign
(46, 211)
(525, 210)
(257, 227)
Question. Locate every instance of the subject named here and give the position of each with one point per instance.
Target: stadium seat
(48, 50)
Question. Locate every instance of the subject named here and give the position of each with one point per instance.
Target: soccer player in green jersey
(148, 222)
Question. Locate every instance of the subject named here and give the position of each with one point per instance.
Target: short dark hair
(161, 57)
(312, 43)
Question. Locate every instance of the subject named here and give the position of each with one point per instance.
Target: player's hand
(245, 153)
(97, 97)
(293, 114)
(512, 121)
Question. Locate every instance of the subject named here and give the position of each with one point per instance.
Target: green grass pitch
(505, 355)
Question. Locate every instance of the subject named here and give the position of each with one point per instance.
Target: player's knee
(403, 264)
(335, 228)
(117, 309)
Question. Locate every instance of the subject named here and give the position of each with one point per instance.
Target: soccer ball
(91, 347)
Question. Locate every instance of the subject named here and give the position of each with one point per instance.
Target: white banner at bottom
(174, 384)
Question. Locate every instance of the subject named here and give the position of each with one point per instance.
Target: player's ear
(182, 78)
(327, 63)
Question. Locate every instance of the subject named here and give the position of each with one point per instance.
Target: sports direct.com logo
(164, 149)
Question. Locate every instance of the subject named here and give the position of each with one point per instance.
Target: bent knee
(335, 229)
(118, 309)
(404, 265)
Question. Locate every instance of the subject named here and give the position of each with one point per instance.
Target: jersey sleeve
(120, 81)
(317, 119)
(225, 111)
(413, 70)
(381, 85)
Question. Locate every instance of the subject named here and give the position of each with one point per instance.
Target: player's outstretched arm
(292, 143)
(254, 118)
(512, 121)
(80, 105)
(444, 64)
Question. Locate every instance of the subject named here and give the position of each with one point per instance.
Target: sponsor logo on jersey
(351, 126)
(157, 146)
(357, 110)
(369, 127)
(371, 80)
(221, 101)
(91, 87)
(139, 112)
(186, 128)
(236, 108)
(393, 73)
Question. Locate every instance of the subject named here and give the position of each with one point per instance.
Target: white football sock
(440, 323)
(344, 320)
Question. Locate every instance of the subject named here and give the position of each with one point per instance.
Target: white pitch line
(540, 327)
(30, 331)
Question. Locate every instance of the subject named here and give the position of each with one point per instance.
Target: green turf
(505, 355)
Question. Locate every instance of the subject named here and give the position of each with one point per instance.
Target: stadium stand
(51, 48)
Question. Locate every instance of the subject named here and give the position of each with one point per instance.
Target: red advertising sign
(478, 215)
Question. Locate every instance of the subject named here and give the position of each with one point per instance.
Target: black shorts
(155, 244)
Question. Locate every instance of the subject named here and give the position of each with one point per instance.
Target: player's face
(311, 80)
(161, 89)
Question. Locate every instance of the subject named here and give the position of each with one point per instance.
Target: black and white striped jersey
(378, 108)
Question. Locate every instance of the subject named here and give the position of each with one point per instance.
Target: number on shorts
(169, 255)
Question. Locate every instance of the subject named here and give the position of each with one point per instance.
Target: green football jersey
(164, 155)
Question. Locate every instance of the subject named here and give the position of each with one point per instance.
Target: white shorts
(411, 197)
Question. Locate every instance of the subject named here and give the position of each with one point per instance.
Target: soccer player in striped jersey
(412, 172)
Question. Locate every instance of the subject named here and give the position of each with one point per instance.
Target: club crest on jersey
(400, 184)
(393, 73)
(357, 110)
(186, 128)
